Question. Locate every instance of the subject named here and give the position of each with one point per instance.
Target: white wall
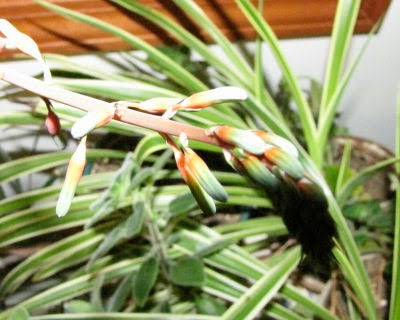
(370, 100)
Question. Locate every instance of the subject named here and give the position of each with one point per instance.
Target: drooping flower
(204, 176)
(74, 172)
(203, 199)
(90, 121)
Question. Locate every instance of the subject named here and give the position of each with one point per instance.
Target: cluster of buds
(262, 156)
(196, 174)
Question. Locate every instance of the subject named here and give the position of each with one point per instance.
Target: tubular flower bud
(204, 176)
(258, 172)
(158, 105)
(74, 173)
(203, 199)
(210, 97)
(52, 123)
(285, 161)
(247, 140)
(278, 141)
(90, 121)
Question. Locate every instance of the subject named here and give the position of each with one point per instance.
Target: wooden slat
(288, 18)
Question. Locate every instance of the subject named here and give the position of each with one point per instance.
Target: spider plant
(134, 244)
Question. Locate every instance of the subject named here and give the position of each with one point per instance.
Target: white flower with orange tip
(74, 173)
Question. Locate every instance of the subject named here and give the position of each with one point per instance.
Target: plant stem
(86, 103)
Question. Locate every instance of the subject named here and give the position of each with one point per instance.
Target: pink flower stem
(86, 103)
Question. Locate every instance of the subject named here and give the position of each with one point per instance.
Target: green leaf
(353, 183)
(145, 279)
(118, 298)
(394, 309)
(19, 314)
(125, 316)
(345, 19)
(17, 168)
(78, 306)
(344, 169)
(254, 299)
(265, 32)
(170, 67)
(187, 271)
(207, 304)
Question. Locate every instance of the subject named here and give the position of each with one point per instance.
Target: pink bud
(52, 123)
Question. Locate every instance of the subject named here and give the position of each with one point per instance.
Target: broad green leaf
(121, 293)
(206, 304)
(19, 314)
(187, 271)
(145, 279)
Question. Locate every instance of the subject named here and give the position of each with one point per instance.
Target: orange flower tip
(278, 141)
(90, 121)
(214, 96)
(285, 162)
(245, 139)
(158, 105)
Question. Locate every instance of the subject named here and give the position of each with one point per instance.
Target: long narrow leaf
(252, 302)
(265, 31)
(394, 310)
(174, 70)
(345, 19)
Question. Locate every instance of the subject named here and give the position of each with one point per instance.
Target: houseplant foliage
(132, 242)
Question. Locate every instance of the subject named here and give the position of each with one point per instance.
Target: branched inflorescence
(268, 160)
